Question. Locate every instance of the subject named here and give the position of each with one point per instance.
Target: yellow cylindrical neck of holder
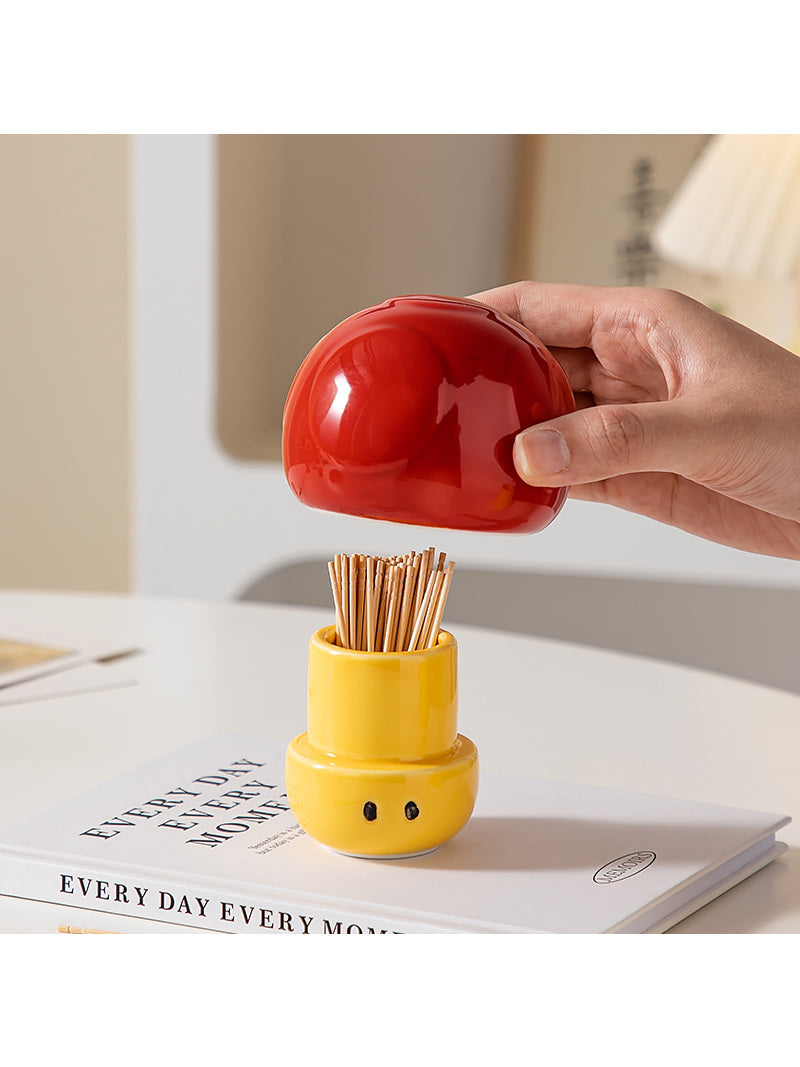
(382, 705)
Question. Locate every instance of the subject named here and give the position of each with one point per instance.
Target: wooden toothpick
(389, 603)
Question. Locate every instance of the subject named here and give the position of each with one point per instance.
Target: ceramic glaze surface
(382, 705)
(328, 797)
(408, 411)
(381, 770)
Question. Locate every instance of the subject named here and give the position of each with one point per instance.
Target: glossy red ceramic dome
(408, 411)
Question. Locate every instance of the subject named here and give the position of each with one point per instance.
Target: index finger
(568, 316)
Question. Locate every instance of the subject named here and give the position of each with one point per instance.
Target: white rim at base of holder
(395, 856)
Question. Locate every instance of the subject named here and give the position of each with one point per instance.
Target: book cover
(30, 672)
(20, 660)
(204, 837)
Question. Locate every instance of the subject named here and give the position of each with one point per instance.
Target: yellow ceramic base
(329, 795)
(381, 770)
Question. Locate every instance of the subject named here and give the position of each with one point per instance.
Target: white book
(203, 837)
(30, 672)
(23, 660)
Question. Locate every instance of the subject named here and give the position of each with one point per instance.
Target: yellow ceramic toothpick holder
(381, 771)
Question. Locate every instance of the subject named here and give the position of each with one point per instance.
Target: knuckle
(620, 433)
(670, 299)
(666, 307)
(670, 302)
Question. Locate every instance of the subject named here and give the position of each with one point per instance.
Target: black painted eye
(412, 811)
(370, 811)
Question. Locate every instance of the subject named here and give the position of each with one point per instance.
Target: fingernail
(538, 452)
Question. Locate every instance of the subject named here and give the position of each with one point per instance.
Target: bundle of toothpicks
(390, 604)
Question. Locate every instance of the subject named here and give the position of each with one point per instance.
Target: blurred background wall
(65, 239)
(314, 228)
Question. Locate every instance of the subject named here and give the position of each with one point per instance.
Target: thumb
(605, 441)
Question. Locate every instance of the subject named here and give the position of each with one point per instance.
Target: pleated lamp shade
(737, 212)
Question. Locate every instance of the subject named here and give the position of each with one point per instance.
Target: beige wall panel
(313, 228)
(592, 201)
(64, 355)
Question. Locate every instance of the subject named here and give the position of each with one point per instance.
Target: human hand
(683, 415)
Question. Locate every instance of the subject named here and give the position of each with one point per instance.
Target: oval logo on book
(623, 867)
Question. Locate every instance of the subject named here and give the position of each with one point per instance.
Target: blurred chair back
(746, 631)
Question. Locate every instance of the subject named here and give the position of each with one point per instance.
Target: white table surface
(544, 708)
